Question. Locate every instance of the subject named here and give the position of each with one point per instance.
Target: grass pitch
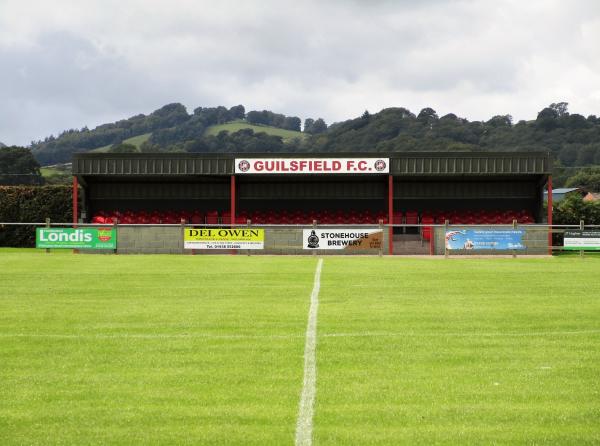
(139, 350)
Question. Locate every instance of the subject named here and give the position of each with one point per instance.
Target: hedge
(31, 204)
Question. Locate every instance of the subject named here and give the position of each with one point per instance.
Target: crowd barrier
(383, 239)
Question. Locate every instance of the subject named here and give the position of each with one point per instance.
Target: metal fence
(548, 239)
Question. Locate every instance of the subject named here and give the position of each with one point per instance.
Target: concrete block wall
(289, 241)
(169, 240)
(535, 241)
(150, 240)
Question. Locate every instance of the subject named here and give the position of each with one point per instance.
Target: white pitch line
(367, 334)
(144, 336)
(364, 334)
(304, 425)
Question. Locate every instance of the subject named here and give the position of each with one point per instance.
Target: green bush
(572, 209)
(24, 204)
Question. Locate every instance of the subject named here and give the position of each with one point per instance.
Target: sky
(74, 63)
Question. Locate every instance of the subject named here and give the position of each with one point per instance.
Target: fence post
(249, 223)
(183, 235)
(446, 223)
(514, 253)
(431, 241)
(314, 225)
(380, 246)
(581, 228)
(115, 224)
(48, 226)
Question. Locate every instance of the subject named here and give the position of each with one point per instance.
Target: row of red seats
(257, 217)
(322, 217)
(464, 217)
(156, 217)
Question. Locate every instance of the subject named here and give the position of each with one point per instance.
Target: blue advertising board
(477, 239)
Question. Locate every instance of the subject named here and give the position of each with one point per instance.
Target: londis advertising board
(215, 238)
(81, 238)
(350, 239)
(312, 165)
(577, 240)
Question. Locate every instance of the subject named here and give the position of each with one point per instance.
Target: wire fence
(431, 234)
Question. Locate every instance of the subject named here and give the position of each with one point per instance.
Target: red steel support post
(550, 214)
(390, 214)
(75, 211)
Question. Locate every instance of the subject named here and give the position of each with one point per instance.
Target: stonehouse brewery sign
(312, 165)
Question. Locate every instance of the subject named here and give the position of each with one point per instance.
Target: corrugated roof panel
(408, 163)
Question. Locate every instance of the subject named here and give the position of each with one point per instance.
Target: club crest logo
(104, 234)
(244, 166)
(380, 165)
(313, 240)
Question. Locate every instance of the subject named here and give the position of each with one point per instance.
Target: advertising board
(80, 238)
(474, 239)
(578, 240)
(220, 238)
(342, 238)
(311, 165)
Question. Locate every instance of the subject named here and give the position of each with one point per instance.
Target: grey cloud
(330, 59)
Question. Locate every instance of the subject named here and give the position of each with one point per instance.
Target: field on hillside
(135, 140)
(137, 350)
(234, 126)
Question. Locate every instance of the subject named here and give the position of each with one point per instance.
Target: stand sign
(220, 238)
(472, 239)
(349, 239)
(579, 240)
(80, 238)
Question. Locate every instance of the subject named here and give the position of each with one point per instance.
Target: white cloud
(72, 63)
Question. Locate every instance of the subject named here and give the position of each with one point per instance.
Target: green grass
(459, 352)
(132, 350)
(234, 126)
(135, 140)
(55, 171)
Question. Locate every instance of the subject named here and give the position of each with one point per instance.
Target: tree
(18, 160)
(572, 209)
(255, 117)
(588, 179)
(568, 155)
(547, 119)
(561, 108)
(500, 121)
(237, 112)
(427, 115)
(292, 123)
(319, 126)
(18, 166)
(308, 125)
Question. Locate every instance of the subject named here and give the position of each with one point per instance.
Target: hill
(573, 140)
(2, 144)
(168, 128)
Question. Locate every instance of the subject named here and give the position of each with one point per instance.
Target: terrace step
(408, 245)
(407, 237)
